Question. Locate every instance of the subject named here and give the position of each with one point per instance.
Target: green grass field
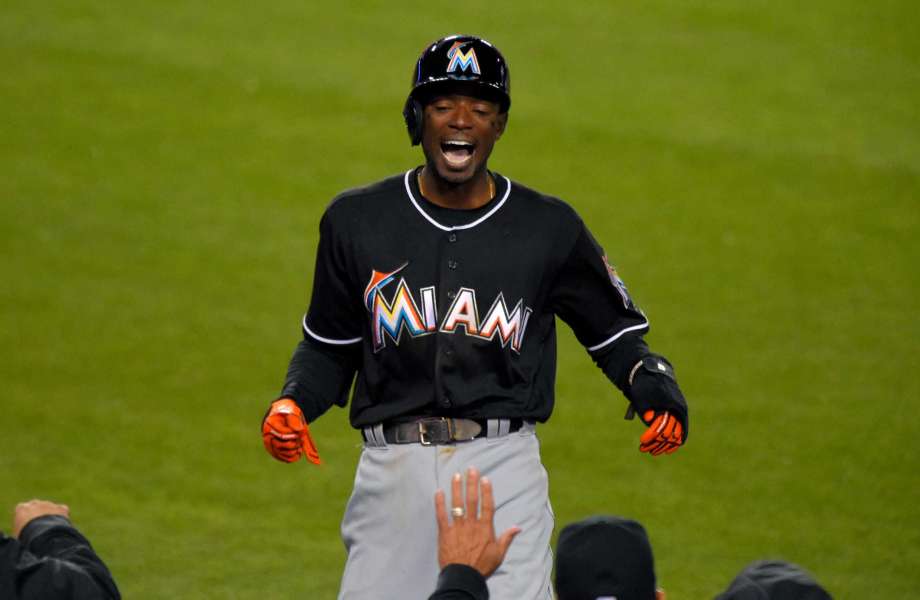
(752, 167)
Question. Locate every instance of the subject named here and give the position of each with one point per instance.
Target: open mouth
(457, 152)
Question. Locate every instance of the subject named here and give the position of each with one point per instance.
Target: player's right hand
(664, 435)
(285, 433)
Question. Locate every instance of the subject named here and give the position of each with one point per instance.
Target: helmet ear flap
(413, 113)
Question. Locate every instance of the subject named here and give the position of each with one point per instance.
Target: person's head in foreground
(605, 558)
(774, 580)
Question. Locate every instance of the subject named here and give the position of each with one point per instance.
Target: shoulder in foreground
(357, 197)
(539, 201)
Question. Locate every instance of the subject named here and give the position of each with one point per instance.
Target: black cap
(457, 62)
(604, 556)
(464, 60)
(774, 580)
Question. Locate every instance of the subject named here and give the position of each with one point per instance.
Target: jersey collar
(470, 225)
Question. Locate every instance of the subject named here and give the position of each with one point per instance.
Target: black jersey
(452, 312)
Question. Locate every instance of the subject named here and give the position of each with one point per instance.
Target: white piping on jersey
(328, 340)
(617, 335)
(456, 227)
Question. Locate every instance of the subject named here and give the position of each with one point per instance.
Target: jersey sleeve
(320, 375)
(56, 561)
(333, 316)
(590, 297)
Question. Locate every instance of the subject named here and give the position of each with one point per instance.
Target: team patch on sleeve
(617, 282)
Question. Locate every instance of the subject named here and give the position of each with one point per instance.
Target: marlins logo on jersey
(390, 317)
(462, 60)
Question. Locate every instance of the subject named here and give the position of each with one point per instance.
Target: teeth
(458, 153)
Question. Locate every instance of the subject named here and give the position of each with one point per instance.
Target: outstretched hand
(468, 538)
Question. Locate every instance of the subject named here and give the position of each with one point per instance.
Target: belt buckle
(425, 439)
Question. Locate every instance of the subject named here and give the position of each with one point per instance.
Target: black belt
(429, 431)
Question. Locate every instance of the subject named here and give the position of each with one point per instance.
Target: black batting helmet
(456, 59)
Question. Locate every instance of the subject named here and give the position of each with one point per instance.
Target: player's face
(459, 134)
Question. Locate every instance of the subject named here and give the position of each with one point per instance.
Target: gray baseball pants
(391, 534)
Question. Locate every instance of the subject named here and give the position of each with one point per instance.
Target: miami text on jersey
(389, 318)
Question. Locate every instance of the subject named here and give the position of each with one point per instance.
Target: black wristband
(653, 363)
(653, 386)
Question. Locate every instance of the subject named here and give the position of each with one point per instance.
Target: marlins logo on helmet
(462, 60)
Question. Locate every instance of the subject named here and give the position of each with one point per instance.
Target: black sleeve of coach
(320, 375)
(58, 562)
(460, 582)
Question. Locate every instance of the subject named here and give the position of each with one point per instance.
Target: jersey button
(451, 294)
(452, 237)
(452, 264)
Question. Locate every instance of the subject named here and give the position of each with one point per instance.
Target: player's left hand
(285, 433)
(664, 435)
(655, 396)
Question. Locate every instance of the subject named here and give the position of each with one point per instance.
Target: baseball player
(436, 293)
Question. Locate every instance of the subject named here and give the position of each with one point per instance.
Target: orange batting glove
(664, 435)
(285, 433)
